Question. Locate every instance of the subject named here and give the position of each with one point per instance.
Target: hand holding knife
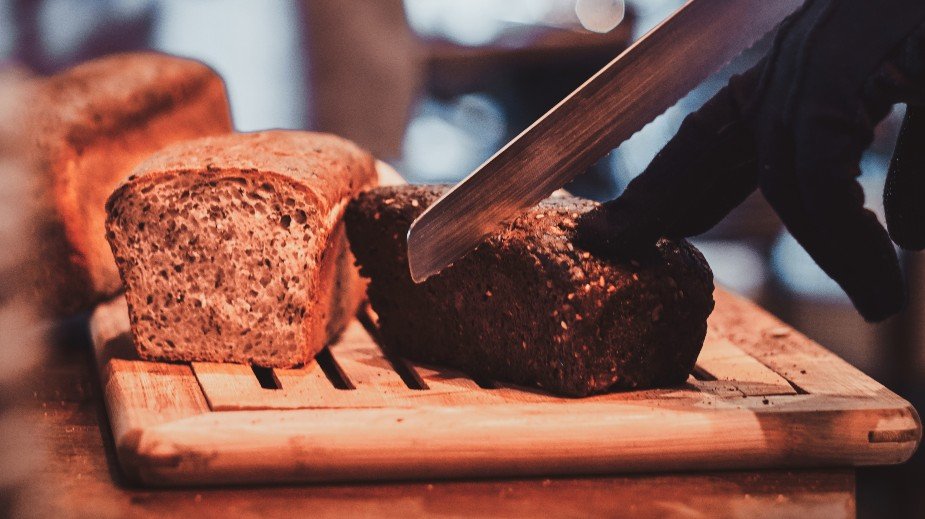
(837, 67)
(624, 96)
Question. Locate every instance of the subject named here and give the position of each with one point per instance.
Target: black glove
(795, 126)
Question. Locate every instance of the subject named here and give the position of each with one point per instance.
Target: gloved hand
(795, 126)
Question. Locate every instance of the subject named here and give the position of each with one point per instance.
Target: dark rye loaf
(232, 248)
(529, 307)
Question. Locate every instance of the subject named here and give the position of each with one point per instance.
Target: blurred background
(436, 86)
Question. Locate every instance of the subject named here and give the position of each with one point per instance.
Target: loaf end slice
(530, 307)
(232, 249)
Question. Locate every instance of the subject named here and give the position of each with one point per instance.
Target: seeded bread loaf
(90, 126)
(528, 306)
(232, 248)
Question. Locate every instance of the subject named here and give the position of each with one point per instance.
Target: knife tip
(416, 264)
(417, 275)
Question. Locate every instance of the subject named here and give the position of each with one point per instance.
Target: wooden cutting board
(762, 396)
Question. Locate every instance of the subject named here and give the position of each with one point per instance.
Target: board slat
(457, 388)
(787, 352)
(234, 387)
(727, 362)
(366, 367)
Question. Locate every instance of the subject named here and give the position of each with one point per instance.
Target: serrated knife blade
(637, 86)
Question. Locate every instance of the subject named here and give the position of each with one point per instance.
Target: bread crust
(528, 306)
(90, 125)
(313, 175)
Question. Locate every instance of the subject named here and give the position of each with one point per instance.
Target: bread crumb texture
(232, 248)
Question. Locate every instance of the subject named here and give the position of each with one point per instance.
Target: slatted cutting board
(762, 396)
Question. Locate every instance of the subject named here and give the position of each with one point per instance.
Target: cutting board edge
(180, 453)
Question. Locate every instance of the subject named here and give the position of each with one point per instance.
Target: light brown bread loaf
(232, 248)
(90, 126)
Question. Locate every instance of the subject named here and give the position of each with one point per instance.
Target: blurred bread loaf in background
(22, 335)
(89, 126)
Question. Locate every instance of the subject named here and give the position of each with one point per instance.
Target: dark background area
(436, 86)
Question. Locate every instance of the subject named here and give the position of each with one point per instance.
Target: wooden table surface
(80, 479)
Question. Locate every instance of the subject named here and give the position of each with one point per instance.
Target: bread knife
(630, 91)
